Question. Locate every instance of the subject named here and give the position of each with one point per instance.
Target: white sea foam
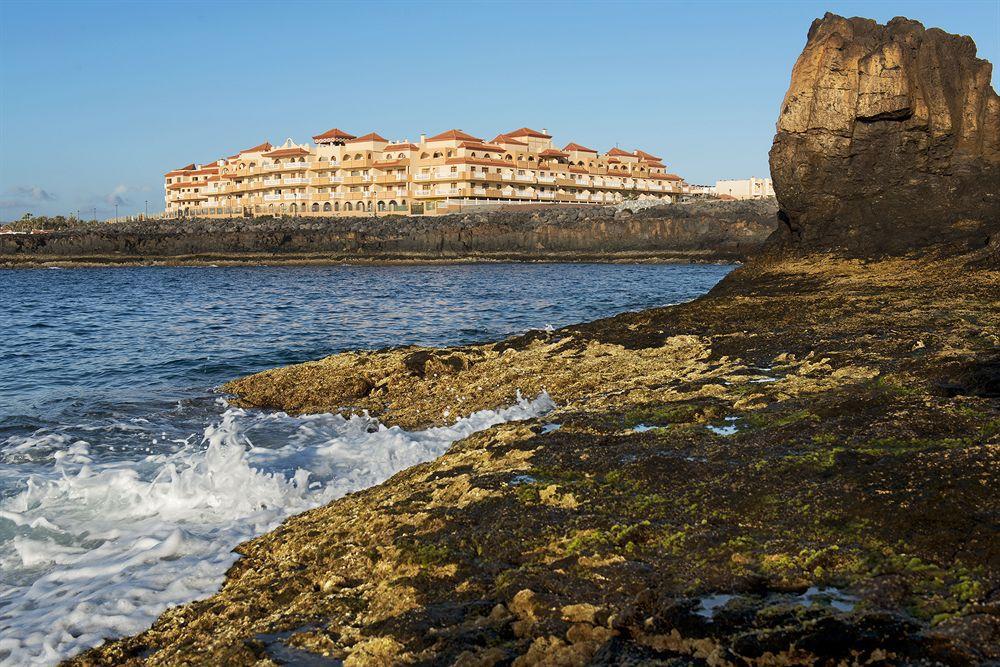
(94, 549)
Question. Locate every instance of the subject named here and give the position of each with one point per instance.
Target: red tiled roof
(287, 152)
(655, 163)
(335, 133)
(507, 139)
(646, 156)
(551, 152)
(186, 184)
(666, 177)
(177, 172)
(618, 151)
(454, 135)
(613, 160)
(260, 148)
(479, 146)
(578, 148)
(371, 136)
(528, 132)
(578, 170)
(392, 163)
(402, 147)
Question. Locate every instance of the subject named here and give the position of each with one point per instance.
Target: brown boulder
(888, 140)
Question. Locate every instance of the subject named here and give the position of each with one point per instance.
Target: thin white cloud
(28, 193)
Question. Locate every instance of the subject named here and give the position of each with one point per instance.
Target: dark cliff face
(723, 229)
(888, 141)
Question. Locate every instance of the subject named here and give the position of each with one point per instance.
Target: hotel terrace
(342, 174)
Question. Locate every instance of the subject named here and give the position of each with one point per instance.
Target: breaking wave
(95, 547)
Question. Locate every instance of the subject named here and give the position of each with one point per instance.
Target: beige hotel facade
(343, 174)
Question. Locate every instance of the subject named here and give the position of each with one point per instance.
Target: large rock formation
(888, 140)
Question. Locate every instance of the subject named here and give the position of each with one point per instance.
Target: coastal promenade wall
(705, 231)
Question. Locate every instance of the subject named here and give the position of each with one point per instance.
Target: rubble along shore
(798, 465)
(697, 231)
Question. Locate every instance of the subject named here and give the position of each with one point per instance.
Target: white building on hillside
(745, 188)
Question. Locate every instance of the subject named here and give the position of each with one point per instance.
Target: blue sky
(99, 99)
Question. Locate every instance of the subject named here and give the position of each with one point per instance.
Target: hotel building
(344, 174)
(745, 188)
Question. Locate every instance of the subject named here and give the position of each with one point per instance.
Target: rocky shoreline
(813, 427)
(696, 231)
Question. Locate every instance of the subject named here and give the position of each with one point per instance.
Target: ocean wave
(92, 548)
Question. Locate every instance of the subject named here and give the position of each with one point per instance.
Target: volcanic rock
(888, 141)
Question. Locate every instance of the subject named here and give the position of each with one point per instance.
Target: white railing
(547, 195)
(272, 181)
(422, 177)
(294, 181)
(546, 179)
(479, 191)
(295, 165)
(507, 177)
(582, 196)
(272, 197)
(525, 177)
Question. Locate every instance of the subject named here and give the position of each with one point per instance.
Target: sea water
(126, 479)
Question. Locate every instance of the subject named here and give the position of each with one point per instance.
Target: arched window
(369, 207)
(424, 156)
(509, 157)
(358, 156)
(400, 156)
(436, 154)
(327, 207)
(336, 206)
(472, 154)
(392, 203)
(450, 153)
(381, 206)
(315, 208)
(347, 206)
(295, 208)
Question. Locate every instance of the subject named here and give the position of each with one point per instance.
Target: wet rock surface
(705, 230)
(888, 140)
(850, 518)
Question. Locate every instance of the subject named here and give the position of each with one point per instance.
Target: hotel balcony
(544, 178)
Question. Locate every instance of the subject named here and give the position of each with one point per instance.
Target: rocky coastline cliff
(700, 231)
(888, 141)
(799, 468)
